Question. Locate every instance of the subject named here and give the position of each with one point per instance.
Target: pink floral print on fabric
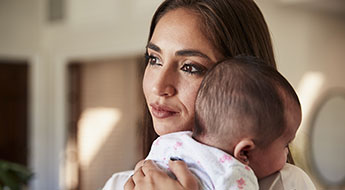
(241, 183)
(177, 145)
(225, 158)
(156, 142)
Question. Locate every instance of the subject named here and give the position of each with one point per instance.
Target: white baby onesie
(215, 168)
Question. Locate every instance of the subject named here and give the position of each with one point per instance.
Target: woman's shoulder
(117, 180)
(288, 178)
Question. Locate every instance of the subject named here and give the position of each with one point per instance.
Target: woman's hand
(150, 176)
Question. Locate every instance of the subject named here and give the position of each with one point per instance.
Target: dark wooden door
(74, 107)
(14, 111)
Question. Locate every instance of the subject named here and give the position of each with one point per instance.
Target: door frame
(38, 147)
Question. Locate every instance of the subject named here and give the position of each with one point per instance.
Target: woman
(186, 38)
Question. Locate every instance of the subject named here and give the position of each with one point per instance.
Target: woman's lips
(161, 111)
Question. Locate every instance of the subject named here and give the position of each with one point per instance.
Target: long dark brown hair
(235, 27)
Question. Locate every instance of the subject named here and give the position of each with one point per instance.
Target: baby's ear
(242, 148)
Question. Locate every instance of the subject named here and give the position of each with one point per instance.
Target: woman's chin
(163, 129)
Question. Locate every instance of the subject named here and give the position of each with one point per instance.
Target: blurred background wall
(83, 62)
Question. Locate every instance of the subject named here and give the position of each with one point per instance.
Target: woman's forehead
(180, 29)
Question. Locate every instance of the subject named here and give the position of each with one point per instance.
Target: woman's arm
(150, 176)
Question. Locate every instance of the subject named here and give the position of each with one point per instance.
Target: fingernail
(175, 159)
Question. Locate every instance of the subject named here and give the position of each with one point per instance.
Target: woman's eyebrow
(185, 52)
(191, 52)
(153, 47)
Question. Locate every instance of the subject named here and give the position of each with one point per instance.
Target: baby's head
(249, 110)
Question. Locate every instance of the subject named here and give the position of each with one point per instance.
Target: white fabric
(289, 178)
(298, 180)
(118, 180)
(215, 168)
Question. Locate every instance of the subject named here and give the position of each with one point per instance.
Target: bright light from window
(308, 90)
(94, 127)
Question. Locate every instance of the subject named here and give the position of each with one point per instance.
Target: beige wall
(108, 126)
(92, 30)
(309, 41)
(305, 39)
(20, 27)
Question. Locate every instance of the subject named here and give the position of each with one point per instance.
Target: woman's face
(179, 55)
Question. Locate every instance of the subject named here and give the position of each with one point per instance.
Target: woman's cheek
(190, 94)
(147, 80)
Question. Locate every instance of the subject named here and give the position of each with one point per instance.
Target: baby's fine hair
(241, 96)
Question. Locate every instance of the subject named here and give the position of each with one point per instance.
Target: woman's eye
(193, 69)
(152, 60)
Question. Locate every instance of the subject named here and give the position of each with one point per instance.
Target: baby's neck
(210, 141)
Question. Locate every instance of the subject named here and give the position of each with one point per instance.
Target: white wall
(309, 42)
(20, 33)
(305, 40)
(91, 30)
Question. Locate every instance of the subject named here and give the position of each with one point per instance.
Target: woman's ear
(242, 148)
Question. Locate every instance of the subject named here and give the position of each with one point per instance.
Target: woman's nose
(164, 84)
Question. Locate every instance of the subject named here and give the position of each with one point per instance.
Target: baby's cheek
(286, 153)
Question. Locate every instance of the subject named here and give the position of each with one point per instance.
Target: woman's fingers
(150, 176)
(150, 168)
(139, 164)
(138, 176)
(129, 185)
(183, 174)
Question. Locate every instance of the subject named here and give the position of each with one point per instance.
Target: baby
(246, 114)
